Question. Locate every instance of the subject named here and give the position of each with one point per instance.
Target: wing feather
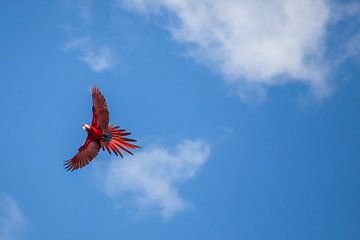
(86, 153)
(100, 110)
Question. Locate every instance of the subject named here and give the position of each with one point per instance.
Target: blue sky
(247, 115)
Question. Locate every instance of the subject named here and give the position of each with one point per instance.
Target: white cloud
(254, 44)
(98, 58)
(12, 221)
(152, 177)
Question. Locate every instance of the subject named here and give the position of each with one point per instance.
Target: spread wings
(86, 153)
(100, 118)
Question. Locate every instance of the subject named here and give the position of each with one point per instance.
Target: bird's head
(86, 127)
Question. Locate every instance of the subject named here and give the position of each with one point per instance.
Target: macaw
(100, 135)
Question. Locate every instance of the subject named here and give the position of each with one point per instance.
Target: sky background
(247, 114)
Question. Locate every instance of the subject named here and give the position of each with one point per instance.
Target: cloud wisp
(12, 221)
(253, 44)
(152, 178)
(99, 59)
(81, 8)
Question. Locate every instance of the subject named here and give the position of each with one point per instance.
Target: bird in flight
(101, 135)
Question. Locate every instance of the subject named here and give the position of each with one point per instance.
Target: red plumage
(101, 135)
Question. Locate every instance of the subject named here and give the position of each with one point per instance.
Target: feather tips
(86, 153)
(100, 110)
(117, 141)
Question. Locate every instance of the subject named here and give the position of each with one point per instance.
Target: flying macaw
(100, 135)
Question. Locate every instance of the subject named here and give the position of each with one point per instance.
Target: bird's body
(95, 133)
(100, 135)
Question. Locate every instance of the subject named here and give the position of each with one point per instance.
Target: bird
(100, 135)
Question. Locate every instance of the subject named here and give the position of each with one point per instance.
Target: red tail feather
(117, 140)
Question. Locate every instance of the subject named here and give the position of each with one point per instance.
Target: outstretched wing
(86, 153)
(100, 118)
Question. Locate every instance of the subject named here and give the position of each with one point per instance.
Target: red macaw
(100, 135)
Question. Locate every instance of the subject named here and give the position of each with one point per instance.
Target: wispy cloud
(152, 178)
(12, 222)
(98, 58)
(342, 10)
(84, 10)
(351, 48)
(254, 44)
(81, 8)
(347, 14)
